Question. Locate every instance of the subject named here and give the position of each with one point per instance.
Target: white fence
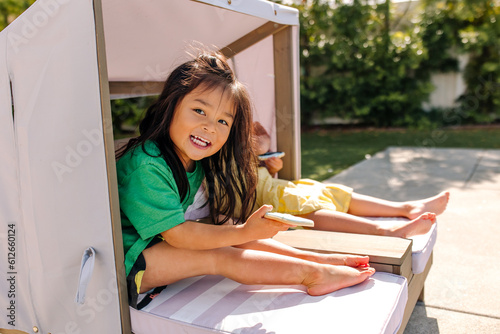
(448, 87)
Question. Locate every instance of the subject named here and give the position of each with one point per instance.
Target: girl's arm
(274, 165)
(193, 235)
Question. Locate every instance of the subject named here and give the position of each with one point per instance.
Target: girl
(335, 207)
(200, 127)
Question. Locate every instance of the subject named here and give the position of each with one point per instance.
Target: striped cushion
(214, 304)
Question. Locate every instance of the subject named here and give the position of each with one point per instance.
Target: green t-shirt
(149, 199)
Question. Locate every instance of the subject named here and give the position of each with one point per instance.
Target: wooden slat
(11, 331)
(287, 110)
(267, 29)
(385, 268)
(415, 288)
(405, 268)
(384, 250)
(107, 125)
(421, 297)
(136, 88)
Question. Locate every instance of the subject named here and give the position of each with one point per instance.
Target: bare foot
(420, 225)
(333, 278)
(344, 260)
(436, 204)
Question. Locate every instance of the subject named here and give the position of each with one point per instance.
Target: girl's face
(201, 124)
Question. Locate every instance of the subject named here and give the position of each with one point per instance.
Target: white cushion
(214, 304)
(422, 244)
(422, 249)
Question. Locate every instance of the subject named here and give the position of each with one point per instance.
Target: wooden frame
(11, 331)
(287, 105)
(415, 292)
(135, 88)
(107, 125)
(267, 29)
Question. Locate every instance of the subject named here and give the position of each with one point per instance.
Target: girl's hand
(274, 165)
(258, 227)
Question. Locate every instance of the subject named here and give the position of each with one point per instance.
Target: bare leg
(166, 264)
(327, 220)
(419, 225)
(362, 205)
(273, 246)
(436, 204)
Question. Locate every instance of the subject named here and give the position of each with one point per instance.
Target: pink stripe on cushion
(234, 299)
(186, 295)
(217, 312)
(287, 299)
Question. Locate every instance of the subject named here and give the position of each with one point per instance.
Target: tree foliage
(355, 66)
(480, 37)
(471, 27)
(359, 62)
(10, 9)
(127, 113)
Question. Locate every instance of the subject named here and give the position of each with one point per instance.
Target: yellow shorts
(301, 196)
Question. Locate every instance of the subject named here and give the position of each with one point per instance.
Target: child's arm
(193, 235)
(274, 165)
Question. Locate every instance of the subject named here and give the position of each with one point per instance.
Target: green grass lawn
(328, 152)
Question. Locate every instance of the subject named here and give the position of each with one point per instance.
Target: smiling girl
(200, 128)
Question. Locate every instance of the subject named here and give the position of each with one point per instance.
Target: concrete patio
(461, 291)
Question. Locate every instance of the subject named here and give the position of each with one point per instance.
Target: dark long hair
(230, 174)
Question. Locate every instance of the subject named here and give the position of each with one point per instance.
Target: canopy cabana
(61, 62)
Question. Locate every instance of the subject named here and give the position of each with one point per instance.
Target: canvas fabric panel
(254, 68)
(217, 24)
(63, 186)
(18, 311)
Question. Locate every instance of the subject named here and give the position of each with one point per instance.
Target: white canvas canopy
(59, 63)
